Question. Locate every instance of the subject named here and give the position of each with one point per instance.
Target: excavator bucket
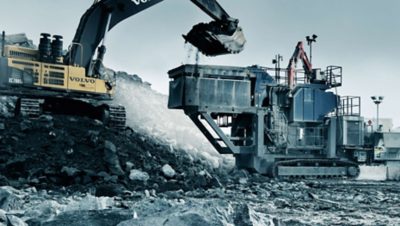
(211, 40)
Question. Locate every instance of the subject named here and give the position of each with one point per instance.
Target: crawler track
(315, 168)
(32, 108)
(116, 117)
(29, 107)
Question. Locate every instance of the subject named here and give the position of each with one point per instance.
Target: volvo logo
(138, 2)
(82, 80)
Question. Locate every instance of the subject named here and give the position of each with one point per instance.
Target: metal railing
(349, 106)
(332, 76)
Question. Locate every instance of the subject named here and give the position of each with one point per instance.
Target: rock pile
(82, 154)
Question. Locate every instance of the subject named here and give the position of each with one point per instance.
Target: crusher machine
(287, 125)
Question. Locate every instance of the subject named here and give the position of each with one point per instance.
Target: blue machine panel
(311, 104)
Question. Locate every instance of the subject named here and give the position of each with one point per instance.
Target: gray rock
(112, 179)
(25, 125)
(46, 121)
(281, 203)
(103, 174)
(129, 166)
(242, 215)
(70, 171)
(111, 158)
(243, 180)
(9, 199)
(90, 218)
(181, 212)
(97, 122)
(168, 171)
(93, 137)
(3, 216)
(45, 118)
(147, 193)
(15, 221)
(138, 175)
(107, 177)
(2, 126)
(108, 145)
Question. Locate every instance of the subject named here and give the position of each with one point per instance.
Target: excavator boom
(221, 36)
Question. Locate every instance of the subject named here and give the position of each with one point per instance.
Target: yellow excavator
(49, 79)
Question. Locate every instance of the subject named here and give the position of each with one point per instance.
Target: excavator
(299, 54)
(50, 79)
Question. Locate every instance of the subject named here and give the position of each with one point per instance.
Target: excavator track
(112, 116)
(116, 117)
(28, 107)
(315, 168)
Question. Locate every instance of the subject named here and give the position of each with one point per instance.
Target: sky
(362, 36)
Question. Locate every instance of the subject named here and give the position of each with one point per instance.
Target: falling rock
(168, 171)
(138, 175)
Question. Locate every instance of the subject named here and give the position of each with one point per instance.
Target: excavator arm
(218, 37)
(299, 54)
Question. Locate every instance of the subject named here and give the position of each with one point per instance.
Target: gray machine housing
(275, 130)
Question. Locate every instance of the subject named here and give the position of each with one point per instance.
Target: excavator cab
(217, 38)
